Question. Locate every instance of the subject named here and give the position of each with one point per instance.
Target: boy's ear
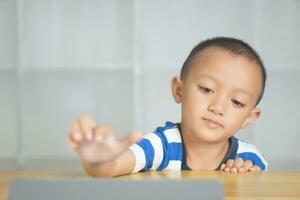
(176, 86)
(254, 114)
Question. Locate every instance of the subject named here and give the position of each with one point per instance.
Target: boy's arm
(121, 165)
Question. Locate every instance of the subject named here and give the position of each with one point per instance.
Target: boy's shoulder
(169, 132)
(249, 151)
(244, 146)
(168, 126)
(159, 150)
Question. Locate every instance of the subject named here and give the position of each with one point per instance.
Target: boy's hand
(97, 143)
(239, 165)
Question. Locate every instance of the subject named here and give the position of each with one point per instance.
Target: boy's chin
(212, 136)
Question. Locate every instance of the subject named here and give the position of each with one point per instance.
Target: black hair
(234, 46)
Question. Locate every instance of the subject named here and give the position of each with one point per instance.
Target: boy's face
(218, 94)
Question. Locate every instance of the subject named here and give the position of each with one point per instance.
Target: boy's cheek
(234, 121)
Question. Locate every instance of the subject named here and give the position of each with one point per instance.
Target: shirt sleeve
(148, 153)
(247, 151)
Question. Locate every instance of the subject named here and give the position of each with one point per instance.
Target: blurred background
(115, 59)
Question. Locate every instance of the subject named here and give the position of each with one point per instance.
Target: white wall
(115, 59)
(8, 84)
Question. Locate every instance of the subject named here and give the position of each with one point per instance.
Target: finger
(251, 169)
(246, 165)
(222, 167)
(87, 123)
(227, 169)
(256, 168)
(241, 169)
(135, 137)
(130, 139)
(75, 135)
(234, 170)
(75, 128)
(238, 162)
(101, 132)
(229, 163)
(72, 144)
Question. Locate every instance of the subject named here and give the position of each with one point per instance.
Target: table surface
(265, 185)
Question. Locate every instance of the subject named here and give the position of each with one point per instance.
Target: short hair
(232, 45)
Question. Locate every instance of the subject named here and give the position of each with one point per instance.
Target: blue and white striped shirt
(164, 150)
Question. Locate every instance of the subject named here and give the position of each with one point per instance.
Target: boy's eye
(237, 103)
(206, 90)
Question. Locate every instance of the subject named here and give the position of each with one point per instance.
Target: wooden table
(268, 185)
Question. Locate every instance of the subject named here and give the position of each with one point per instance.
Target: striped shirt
(164, 150)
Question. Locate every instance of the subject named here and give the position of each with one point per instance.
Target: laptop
(115, 189)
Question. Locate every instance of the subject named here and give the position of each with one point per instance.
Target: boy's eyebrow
(216, 80)
(207, 76)
(244, 91)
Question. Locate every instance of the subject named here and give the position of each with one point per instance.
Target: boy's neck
(201, 155)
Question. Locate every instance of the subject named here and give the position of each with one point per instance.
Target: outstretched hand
(97, 143)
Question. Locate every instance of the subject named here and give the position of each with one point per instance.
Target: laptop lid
(115, 189)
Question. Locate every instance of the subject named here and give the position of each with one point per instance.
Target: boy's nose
(217, 108)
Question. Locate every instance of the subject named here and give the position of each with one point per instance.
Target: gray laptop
(115, 189)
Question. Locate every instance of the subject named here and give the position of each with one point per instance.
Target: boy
(220, 85)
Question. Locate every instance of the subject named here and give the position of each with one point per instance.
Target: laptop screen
(115, 189)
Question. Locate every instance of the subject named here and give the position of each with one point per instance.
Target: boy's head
(236, 47)
(220, 84)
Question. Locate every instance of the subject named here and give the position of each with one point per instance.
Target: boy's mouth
(212, 123)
